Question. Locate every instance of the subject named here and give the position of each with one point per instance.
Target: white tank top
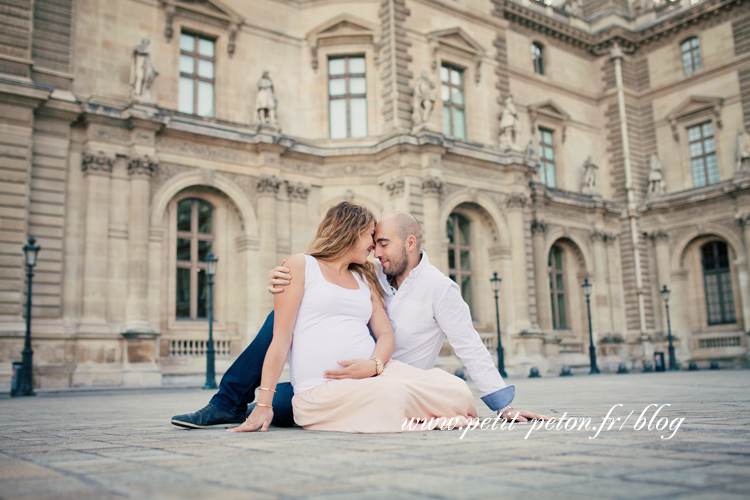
(331, 326)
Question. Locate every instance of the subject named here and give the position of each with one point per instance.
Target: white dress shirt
(425, 309)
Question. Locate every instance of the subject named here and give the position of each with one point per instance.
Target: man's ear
(411, 242)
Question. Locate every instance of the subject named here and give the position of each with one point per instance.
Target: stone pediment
(458, 42)
(212, 8)
(211, 11)
(551, 111)
(694, 107)
(341, 30)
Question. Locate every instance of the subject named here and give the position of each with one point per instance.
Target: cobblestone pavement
(120, 444)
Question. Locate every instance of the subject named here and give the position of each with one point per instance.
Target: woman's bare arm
(285, 308)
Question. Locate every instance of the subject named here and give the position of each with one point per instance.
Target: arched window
(195, 236)
(718, 283)
(459, 255)
(536, 57)
(557, 288)
(691, 55)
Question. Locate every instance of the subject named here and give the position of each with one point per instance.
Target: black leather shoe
(208, 417)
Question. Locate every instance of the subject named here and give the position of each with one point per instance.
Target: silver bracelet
(503, 410)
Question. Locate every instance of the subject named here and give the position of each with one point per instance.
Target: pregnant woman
(323, 320)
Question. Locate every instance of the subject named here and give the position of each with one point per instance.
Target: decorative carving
(610, 238)
(232, 45)
(142, 72)
(656, 185)
(142, 166)
(744, 220)
(597, 236)
(396, 187)
(510, 126)
(349, 195)
(588, 184)
(185, 147)
(96, 162)
(297, 191)
(265, 102)
(517, 200)
(163, 173)
(424, 98)
(171, 11)
(432, 185)
(659, 236)
(695, 105)
(539, 226)
(269, 184)
(531, 156)
(742, 153)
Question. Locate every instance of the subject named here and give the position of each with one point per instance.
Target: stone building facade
(591, 139)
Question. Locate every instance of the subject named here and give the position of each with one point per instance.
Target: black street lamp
(500, 356)
(210, 353)
(672, 361)
(592, 350)
(26, 381)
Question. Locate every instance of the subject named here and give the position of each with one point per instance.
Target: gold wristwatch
(378, 366)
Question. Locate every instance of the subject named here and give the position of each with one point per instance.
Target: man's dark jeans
(237, 387)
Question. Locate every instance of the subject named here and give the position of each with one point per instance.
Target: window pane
(547, 136)
(184, 208)
(463, 231)
(205, 212)
(205, 99)
(185, 96)
(459, 127)
(445, 93)
(458, 96)
(205, 68)
(558, 259)
(447, 120)
(205, 47)
(457, 77)
(563, 321)
(202, 295)
(551, 182)
(465, 260)
(183, 249)
(699, 173)
(559, 282)
(357, 86)
(187, 64)
(694, 133)
(182, 302)
(337, 86)
(203, 248)
(549, 153)
(444, 74)
(356, 65)
(449, 230)
(709, 145)
(696, 149)
(466, 291)
(336, 66)
(713, 169)
(358, 117)
(187, 43)
(708, 129)
(338, 118)
(451, 258)
(696, 60)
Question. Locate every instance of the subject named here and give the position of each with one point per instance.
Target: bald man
(424, 307)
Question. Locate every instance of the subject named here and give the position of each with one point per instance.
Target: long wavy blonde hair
(339, 232)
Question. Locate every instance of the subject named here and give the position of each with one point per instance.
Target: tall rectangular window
(718, 283)
(347, 97)
(536, 57)
(197, 76)
(459, 255)
(691, 55)
(546, 157)
(454, 109)
(557, 288)
(703, 154)
(194, 242)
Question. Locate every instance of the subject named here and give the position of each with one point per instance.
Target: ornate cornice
(396, 186)
(598, 236)
(517, 200)
(539, 227)
(96, 162)
(269, 184)
(432, 186)
(297, 191)
(142, 166)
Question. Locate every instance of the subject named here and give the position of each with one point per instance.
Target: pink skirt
(400, 395)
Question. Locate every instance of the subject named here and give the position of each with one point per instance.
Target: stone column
(614, 280)
(541, 275)
(298, 215)
(600, 307)
(661, 245)
(520, 292)
(97, 168)
(432, 188)
(268, 188)
(140, 170)
(743, 277)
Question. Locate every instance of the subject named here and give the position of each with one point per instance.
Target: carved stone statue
(575, 7)
(265, 102)
(588, 185)
(742, 154)
(510, 127)
(142, 72)
(424, 98)
(531, 156)
(656, 184)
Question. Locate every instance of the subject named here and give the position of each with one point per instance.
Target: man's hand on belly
(354, 368)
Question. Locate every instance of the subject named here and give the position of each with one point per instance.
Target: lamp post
(592, 350)
(210, 353)
(672, 361)
(500, 356)
(26, 382)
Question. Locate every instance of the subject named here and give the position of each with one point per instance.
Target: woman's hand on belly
(353, 368)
